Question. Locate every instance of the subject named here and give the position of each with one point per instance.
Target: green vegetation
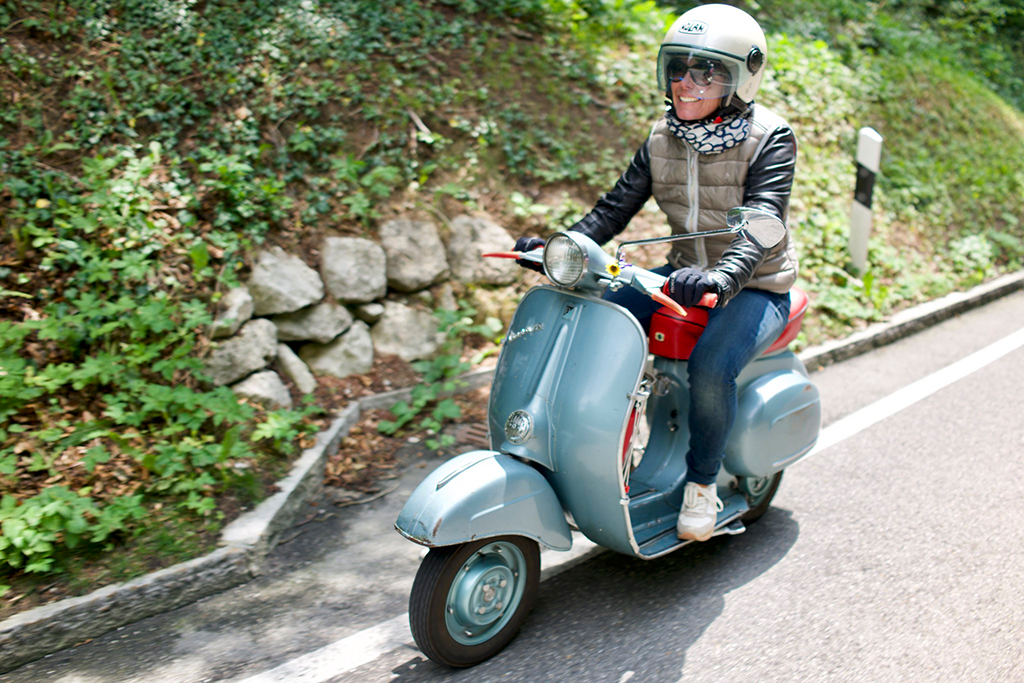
(149, 146)
(940, 80)
(440, 375)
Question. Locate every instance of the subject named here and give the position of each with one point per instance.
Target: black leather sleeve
(770, 178)
(769, 183)
(616, 208)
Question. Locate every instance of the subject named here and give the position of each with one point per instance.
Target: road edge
(910, 321)
(246, 542)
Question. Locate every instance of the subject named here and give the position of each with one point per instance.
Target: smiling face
(698, 85)
(693, 102)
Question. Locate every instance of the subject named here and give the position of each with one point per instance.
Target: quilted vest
(720, 181)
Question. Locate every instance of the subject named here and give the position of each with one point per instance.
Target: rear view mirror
(761, 227)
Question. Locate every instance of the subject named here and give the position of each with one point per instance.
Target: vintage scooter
(588, 431)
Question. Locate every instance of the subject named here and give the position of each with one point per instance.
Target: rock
(407, 332)
(320, 323)
(438, 296)
(472, 236)
(265, 388)
(293, 368)
(237, 307)
(251, 350)
(354, 270)
(370, 313)
(282, 283)
(349, 354)
(445, 298)
(415, 254)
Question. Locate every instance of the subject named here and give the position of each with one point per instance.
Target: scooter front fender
(482, 494)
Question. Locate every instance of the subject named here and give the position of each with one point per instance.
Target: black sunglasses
(703, 72)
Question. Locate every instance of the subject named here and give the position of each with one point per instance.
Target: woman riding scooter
(713, 149)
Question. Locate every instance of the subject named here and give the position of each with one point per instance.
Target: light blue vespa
(587, 432)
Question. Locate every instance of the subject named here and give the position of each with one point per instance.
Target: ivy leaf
(447, 410)
(95, 455)
(229, 442)
(76, 525)
(200, 256)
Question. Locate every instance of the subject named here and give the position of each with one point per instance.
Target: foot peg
(731, 529)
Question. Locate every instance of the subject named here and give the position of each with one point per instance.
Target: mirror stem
(619, 255)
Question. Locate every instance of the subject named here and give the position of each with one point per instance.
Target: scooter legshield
(482, 494)
(566, 374)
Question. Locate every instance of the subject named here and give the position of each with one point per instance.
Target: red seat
(672, 336)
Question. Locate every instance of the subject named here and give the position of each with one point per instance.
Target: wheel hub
(485, 593)
(755, 487)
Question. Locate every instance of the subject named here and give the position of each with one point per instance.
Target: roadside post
(869, 157)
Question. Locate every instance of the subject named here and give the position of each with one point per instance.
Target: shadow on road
(616, 613)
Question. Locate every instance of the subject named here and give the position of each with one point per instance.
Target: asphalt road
(894, 554)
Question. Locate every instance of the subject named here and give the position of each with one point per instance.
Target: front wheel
(759, 492)
(468, 601)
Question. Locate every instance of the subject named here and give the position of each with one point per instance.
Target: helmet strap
(735, 107)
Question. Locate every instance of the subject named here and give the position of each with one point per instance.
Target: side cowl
(482, 494)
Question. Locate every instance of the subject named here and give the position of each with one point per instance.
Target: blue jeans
(734, 336)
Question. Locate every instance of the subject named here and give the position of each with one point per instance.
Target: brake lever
(528, 255)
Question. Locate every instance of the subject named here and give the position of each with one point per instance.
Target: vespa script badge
(512, 336)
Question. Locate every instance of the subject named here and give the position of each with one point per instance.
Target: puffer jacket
(695, 191)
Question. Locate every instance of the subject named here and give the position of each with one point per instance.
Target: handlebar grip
(709, 300)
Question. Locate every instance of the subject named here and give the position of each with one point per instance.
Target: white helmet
(720, 37)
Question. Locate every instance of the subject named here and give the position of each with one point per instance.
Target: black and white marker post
(869, 156)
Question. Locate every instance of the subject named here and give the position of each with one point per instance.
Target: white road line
(874, 413)
(342, 655)
(367, 645)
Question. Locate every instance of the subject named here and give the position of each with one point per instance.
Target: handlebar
(709, 300)
(535, 254)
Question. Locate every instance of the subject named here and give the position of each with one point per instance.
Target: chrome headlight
(519, 427)
(565, 262)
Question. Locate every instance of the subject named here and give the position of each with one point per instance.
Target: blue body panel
(482, 494)
(778, 419)
(574, 373)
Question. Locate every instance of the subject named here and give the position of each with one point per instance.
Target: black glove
(687, 285)
(529, 244)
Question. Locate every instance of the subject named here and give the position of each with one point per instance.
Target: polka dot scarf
(710, 136)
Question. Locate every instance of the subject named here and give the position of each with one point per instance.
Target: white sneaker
(700, 510)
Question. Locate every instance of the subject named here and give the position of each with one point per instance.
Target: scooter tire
(762, 500)
(428, 601)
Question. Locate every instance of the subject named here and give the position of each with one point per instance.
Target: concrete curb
(910, 321)
(246, 541)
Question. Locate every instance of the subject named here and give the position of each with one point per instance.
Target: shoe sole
(690, 536)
